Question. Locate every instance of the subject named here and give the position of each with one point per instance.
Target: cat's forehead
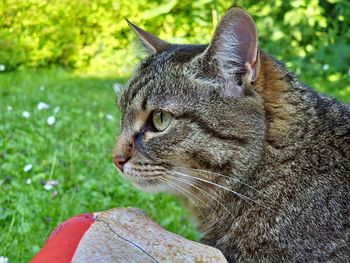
(147, 80)
(159, 83)
(158, 74)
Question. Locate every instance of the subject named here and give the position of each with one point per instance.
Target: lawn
(51, 172)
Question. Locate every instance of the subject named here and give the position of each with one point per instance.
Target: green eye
(161, 120)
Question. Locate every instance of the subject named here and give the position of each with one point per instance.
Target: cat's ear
(233, 51)
(152, 43)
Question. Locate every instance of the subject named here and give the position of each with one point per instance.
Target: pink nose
(119, 161)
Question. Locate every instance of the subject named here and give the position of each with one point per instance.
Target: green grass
(75, 151)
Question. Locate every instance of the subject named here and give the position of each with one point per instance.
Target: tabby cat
(262, 160)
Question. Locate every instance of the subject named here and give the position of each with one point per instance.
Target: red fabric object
(64, 239)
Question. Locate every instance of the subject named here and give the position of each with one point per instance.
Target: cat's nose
(123, 150)
(119, 161)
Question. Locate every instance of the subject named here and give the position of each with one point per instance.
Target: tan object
(129, 235)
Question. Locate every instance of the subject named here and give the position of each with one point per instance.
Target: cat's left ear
(152, 43)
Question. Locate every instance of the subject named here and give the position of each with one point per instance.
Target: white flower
(51, 120)
(48, 187)
(42, 88)
(109, 117)
(56, 109)
(4, 259)
(117, 87)
(325, 67)
(27, 167)
(9, 108)
(25, 114)
(50, 184)
(2, 67)
(42, 106)
(29, 181)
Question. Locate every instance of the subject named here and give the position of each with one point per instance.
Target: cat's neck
(285, 101)
(293, 121)
(295, 114)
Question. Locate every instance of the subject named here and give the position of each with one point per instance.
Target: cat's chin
(157, 186)
(146, 185)
(149, 186)
(153, 186)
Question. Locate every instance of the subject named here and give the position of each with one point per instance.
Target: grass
(75, 151)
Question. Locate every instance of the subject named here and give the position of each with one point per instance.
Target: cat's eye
(161, 120)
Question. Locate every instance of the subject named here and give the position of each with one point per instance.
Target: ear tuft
(152, 43)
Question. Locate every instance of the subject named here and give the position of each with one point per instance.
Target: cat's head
(191, 111)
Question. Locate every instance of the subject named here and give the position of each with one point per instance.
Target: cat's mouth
(148, 182)
(165, 181)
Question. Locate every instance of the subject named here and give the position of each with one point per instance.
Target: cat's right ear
(233, 52)
(152, 43)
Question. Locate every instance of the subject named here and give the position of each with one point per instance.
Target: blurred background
(62, 64)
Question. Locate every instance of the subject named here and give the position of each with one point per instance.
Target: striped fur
(265, 170)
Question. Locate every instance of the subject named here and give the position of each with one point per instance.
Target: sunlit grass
(52, 171)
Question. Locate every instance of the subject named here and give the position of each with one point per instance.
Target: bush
(311, 36)
(63, 32)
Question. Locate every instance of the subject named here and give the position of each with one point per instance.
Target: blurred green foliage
(310, 36)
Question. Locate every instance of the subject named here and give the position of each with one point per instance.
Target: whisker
(183, 191)
(207, 226)
(245, 198)
(229, 177)
(178, 187)
(146, 177)
(215, 184)
(147, 185)
(202, 190)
